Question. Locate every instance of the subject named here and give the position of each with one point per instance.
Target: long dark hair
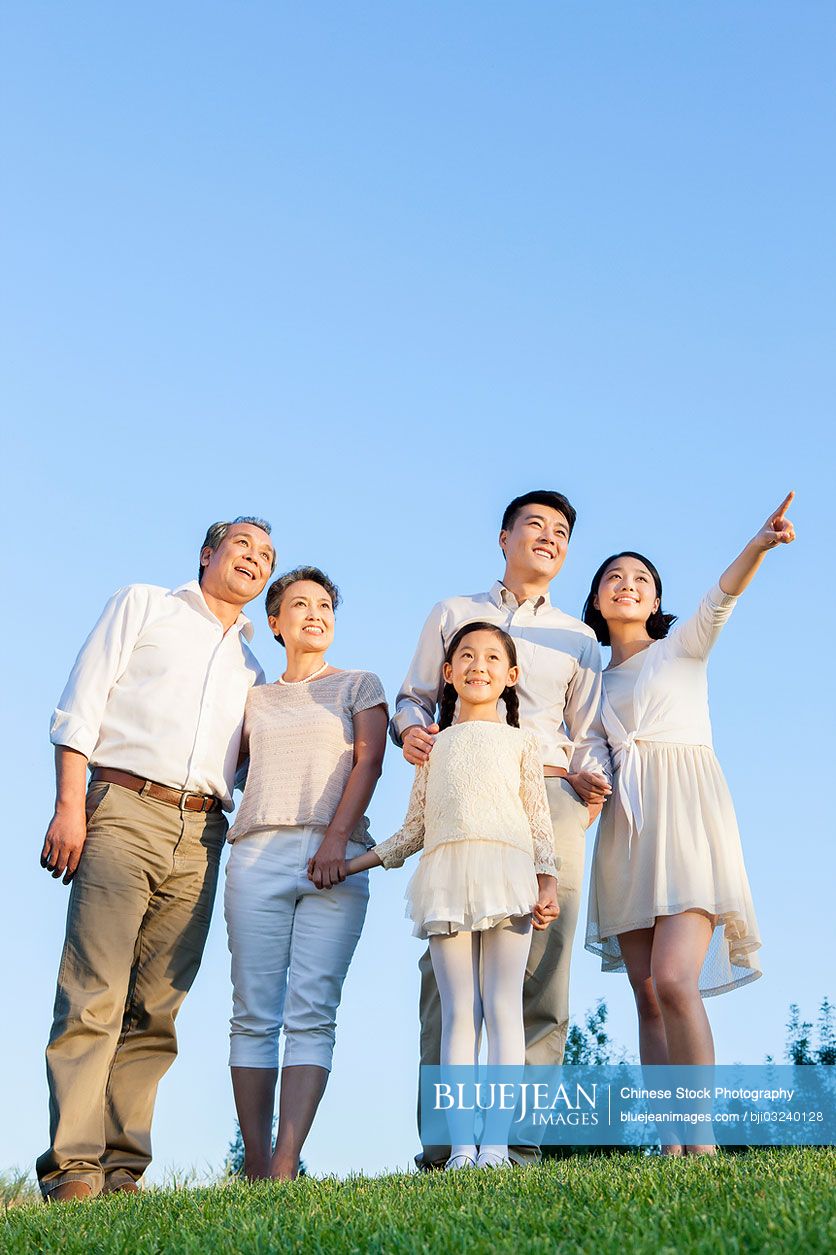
(658, 625)
(449, 696)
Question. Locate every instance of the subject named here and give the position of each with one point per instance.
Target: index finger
(784, 506)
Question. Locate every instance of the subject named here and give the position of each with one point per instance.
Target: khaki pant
(546, 984)
(137, 921)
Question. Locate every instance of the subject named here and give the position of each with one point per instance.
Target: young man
(560, 692)
(154, 706)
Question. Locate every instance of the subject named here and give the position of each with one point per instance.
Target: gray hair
(217, 531)
(277, 590)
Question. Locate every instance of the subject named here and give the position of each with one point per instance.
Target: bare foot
(672, 1152)
(256, 1169)
(701, 1150)
(282, 1169)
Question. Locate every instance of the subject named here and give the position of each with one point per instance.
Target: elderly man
(560, 692)
(154, 706)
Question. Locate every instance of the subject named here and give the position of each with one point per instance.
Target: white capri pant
(291, 945)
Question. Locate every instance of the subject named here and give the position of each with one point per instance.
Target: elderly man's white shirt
(159, 690)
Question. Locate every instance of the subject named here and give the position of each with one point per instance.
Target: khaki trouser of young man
(137, 921)
(546, 985)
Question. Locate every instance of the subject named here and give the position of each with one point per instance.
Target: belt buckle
(203, 802)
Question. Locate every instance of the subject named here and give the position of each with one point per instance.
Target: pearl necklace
(305, 679)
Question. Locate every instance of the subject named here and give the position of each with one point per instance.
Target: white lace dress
(668, 839)
(479, 811)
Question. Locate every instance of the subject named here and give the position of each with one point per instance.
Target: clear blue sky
(371, 270)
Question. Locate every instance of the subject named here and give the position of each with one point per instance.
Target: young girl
(487, 874)
(669, 898)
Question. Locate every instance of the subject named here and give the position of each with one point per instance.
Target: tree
(799, 1048)
(590, 1043)
(234, 1162)
(827, 1033)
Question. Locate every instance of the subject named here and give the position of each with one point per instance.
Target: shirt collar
(193, 594)
(503, 597)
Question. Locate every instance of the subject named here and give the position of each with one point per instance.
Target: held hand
(418, 742)
(64, 842)
(777, 530)
(590, 786)
(593, 810)
(546, 908)
(362, 863)
(327, 867)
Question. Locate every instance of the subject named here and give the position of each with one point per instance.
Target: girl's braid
(511, 698)
(447, 707)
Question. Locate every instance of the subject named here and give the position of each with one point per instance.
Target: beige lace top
(300, 738)
(483, 782)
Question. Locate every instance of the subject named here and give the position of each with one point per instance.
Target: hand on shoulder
(418, 743)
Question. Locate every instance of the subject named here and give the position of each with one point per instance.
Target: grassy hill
(764, 1200)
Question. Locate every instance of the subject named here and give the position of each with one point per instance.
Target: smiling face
(240, 566)
(480, 670)
(626, 592)
(305, 618)
(535, 545)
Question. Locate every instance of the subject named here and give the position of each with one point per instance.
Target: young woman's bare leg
(680, 944)
(636, 949)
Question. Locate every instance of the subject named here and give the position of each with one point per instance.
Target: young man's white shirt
(559, 685)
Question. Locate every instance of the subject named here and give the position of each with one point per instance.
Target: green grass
(765, 1200)
(16, 1188)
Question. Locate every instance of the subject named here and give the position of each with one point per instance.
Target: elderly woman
(315, 740)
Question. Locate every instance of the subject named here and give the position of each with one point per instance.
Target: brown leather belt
(180, 798)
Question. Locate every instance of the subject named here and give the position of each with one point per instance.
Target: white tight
(480, 979)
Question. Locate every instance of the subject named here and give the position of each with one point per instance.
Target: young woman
(669, 898)
(315, 740)
(487, 874)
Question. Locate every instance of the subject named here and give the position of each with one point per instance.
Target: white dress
(668, 839)
(479, 811)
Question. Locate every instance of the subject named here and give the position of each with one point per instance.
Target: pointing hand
(777, 530)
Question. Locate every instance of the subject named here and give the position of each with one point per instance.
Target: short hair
(555, 500)
(658, 624)
(215, 534)
(277, 590)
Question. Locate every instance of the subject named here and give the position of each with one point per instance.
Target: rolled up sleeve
(77, 719)
(582, 715)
